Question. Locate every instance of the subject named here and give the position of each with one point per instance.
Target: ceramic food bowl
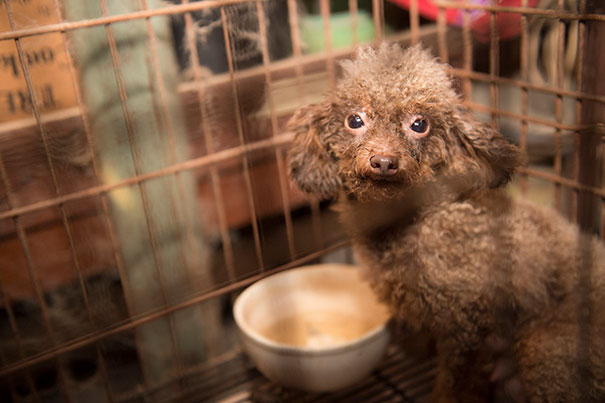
(318, 328)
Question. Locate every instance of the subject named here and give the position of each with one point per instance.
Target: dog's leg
(549, 365)
(461, 376)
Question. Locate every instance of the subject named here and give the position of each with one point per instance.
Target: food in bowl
(318, 328)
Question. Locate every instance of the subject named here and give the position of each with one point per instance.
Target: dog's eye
(420, 126)
(354, 122)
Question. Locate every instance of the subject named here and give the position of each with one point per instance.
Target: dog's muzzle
(384, 165)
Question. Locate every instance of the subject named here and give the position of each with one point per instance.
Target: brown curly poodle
(512, 294)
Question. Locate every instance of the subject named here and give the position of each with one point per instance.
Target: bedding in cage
(143, 180)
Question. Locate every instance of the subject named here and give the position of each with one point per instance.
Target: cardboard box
(46, 60)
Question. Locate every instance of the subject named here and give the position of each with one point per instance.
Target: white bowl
(318, 328)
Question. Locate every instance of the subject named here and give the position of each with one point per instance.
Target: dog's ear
(310, 165)
(486, 152)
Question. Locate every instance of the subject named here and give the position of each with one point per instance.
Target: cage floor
(399, 379)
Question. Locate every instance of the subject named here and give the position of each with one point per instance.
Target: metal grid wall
(586, 129)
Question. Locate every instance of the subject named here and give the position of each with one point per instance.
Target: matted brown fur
(512, 293)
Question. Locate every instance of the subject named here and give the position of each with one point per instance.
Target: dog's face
(393, 121)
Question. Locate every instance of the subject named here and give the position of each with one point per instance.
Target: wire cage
(143, 181)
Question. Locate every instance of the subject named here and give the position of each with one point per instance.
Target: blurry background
(143, 180)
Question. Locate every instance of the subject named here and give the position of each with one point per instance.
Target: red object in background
(508, 25)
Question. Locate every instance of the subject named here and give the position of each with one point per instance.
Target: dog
(511, 293)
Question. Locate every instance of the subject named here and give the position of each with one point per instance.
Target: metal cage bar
(281, 170)
(441, 36)
(197, 6)
(540, 12)
(242, 141)
(214, 175)
(185, 7)
(494, 67)
(324, 6)
(414, 21)
(76, 87)
(467, 47)
(215, 158)
(21, 233)
(136, 160)
(578, 113)
(558, 158)
(164, 120)
(13, 323)
(354, 11)
(524, 94)
(378, 14)
(293, 20)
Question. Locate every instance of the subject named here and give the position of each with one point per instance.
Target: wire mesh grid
(253, 222)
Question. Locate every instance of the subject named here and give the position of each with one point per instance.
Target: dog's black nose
(384, 165)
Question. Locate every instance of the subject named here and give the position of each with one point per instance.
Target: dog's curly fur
(501, 286)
